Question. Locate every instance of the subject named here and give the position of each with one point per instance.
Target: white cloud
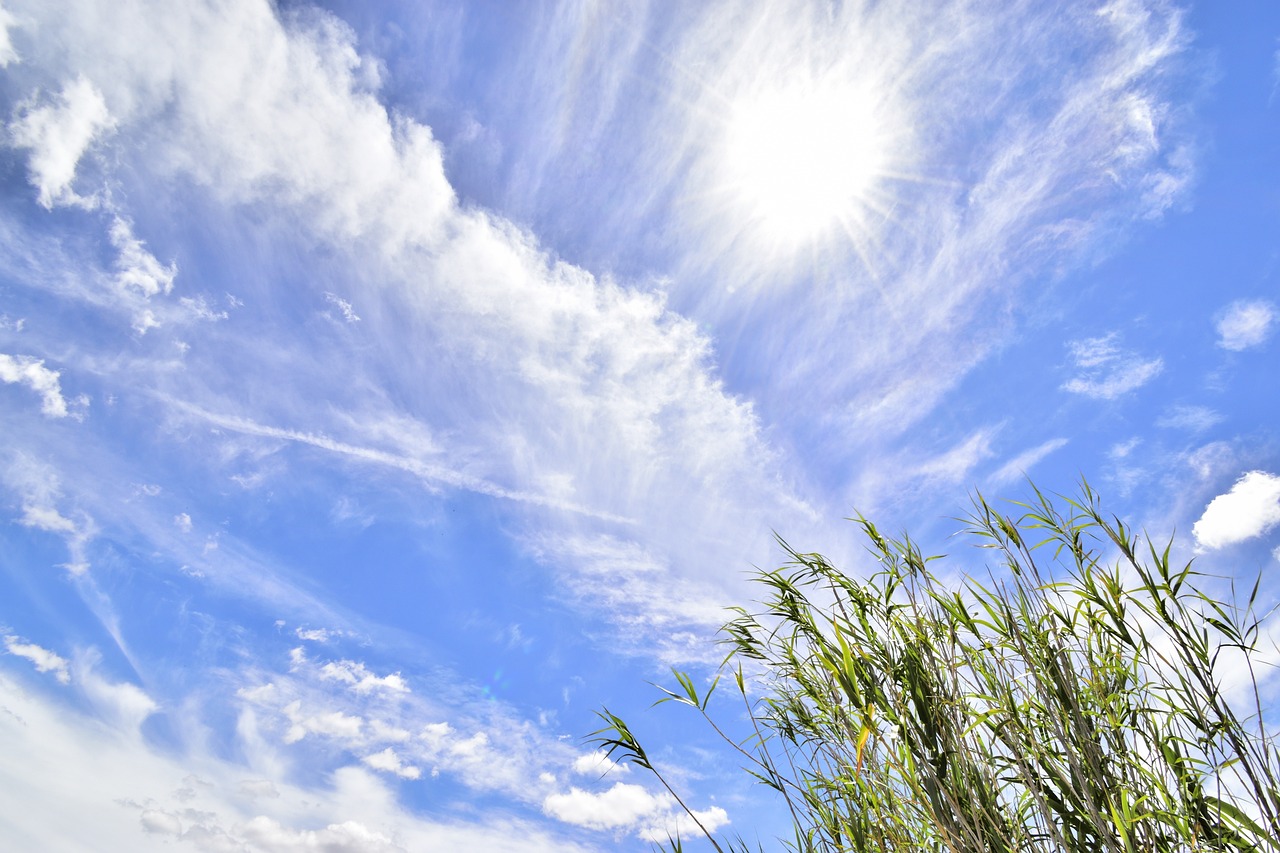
(345, 307)
(428, 469)
(623, 805)
(679, 824)
(58, 136)
(1190, 418)
(623, 578)
(31, 372)
(7, 53)
(137, 269)
(347, 837)
(198, 308)
(125, 705)
(44, 660)
(954, 465)
(48, 519)
(160, 822)
(1106, 371)
(182, 521)
(333, 724)
(39, 490)
(653, 817)
(58, 763)
(259, 788)
(1080, 151)
(482, 743)
(1123, 449)
(1245, 323)
(1019, 465)
(1275, 73)
(358, 677)
(1249, 509)
(389, 762)
(598, 764)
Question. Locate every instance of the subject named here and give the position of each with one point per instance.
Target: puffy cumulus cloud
(44, 660)
(137, 268)
(681, 824)
(360, 679)
(1249, 509)
(30, 371)
(482, 744)
(58, 134)
(58, 762)
(334, 724)
(1106, 370)
(474, 756)
(654, 817)
(388, 762)
(623, 805)
(1245, 323)
(347, 837)
(597, 763)
(253, 108)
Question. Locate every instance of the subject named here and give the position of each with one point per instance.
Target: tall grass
(1070, 700)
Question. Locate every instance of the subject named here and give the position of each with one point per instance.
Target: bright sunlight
(802, 159)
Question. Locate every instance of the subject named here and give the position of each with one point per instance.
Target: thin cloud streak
(435, 475)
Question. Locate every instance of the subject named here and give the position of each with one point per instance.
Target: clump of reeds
(1071, 700)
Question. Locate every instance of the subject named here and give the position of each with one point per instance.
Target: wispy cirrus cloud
(882, 316)
(1188, 417)
(1021, 465)
(1106, 371)
(38, 488)
(1245, 324)
(595, 397)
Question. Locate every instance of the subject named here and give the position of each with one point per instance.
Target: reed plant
(1073, 697)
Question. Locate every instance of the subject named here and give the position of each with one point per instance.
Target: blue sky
(386, 387)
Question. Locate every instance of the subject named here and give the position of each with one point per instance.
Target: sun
(803, 160)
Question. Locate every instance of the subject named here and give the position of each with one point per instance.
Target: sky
(387, 387)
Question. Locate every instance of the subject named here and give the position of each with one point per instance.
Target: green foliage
(1065, 703)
